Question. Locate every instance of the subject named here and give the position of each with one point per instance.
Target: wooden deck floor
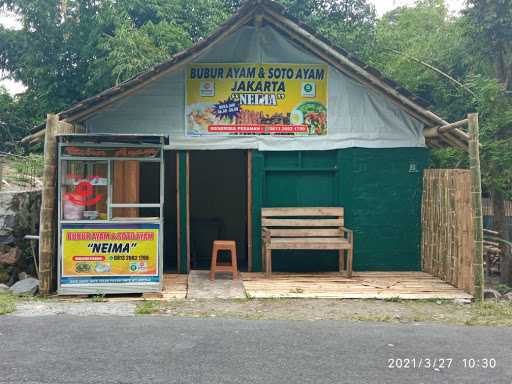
(363, 285)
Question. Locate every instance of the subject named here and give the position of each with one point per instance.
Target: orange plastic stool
(223, 245)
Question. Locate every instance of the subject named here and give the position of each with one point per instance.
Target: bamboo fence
(488, 211)
(448, 238)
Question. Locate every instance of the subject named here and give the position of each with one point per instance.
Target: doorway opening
(218, 204)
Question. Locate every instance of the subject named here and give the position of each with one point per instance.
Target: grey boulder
(508, 296)
(28, 286)
(491, 294)
(4, 288)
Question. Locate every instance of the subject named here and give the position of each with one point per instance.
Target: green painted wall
(379, 188)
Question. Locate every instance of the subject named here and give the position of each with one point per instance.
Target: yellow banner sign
(109, 253)
(256, 99)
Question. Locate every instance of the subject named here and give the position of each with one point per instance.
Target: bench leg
(349, 263)
(268, 262)
(341, 260)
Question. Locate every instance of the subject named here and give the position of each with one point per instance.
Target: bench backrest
(303, 222)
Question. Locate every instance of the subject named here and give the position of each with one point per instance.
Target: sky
(382, 6)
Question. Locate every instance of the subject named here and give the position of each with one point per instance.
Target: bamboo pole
(249, 210)
(436, 131)
(47, 223)
(1, 172)
(476, 199)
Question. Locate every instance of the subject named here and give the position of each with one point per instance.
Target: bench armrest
(346, 230)
(350, 234)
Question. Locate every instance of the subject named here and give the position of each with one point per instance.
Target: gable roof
(267, 11)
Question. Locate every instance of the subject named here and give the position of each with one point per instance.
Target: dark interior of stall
(218, 204)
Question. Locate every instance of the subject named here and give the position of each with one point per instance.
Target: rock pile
(19, 213)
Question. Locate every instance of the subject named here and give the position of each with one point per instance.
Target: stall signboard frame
(107, 255)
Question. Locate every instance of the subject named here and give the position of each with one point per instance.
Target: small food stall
(110, 213)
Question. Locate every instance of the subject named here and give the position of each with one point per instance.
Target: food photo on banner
(256, 99)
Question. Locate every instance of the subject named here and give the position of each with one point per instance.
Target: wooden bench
(318, 228)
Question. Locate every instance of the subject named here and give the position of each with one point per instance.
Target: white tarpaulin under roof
(357, 116)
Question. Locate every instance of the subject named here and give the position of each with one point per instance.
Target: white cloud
(9, 20)
(13, 87)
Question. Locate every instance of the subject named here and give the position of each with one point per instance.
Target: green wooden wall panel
(281, 159)
(379, 188)
(384, 208)
(319, 159)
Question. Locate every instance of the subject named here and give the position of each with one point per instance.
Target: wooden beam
(64, 127)
(453, 141)
(47, 227)
(436, 131)
(34, 138)
(249, 210)
(178, 213)
(476, 199)
(187, 194)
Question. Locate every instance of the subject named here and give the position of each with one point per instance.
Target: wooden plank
(306, 211)
(249, 210)
(126, 187)
(305, 232)
(310, 240)
(178, 213)
(310, 246)
(363, 285)
(301, 222)
(187, 196)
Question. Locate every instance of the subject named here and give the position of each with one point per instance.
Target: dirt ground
(396, 311)
(489, 313)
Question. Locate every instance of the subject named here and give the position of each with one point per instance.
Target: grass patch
(371, 317)
(99, 298)
(395, 299)
(503, 288)
(147, 308)
(491, 313)
(7, 303)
